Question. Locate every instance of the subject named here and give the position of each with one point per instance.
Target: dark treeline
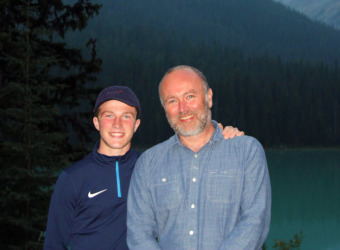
(274, 73)
(281, 103)
(251, 25)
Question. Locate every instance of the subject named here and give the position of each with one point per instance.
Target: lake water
(306, 197)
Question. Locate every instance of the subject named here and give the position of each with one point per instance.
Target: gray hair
(198, 72)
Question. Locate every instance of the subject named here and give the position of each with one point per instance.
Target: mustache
(198, 117)
(180, 114)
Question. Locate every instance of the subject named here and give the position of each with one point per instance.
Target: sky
(327, 11)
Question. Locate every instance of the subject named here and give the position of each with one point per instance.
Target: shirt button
(196, 156)
(194, 179)
(191, 232)
(192, 205)
(163, 179)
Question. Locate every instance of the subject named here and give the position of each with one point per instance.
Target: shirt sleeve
(253, 226)
(61, 214)
(141, 230)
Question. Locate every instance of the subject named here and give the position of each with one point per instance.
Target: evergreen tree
(42, 84)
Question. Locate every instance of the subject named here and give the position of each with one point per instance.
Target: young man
(197, 190)
(88, 206)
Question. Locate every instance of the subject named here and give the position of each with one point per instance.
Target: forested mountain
(327, 11)
(274, 73)
(254, 26)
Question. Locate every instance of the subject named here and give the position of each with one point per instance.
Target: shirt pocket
(167, 192)
(222, 186)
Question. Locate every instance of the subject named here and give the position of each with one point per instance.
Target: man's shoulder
(246, 139)
(160, 147)
(151, 157)
(80, 166)
(243, 142)
(78, 173)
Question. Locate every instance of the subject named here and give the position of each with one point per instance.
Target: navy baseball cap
(119, 93)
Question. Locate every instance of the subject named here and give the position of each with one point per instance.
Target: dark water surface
(306, 196)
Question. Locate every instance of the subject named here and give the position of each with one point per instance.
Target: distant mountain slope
(139, 39)
(254, 26)
(327, 11)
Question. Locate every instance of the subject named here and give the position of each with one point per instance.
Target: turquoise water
(306, 197)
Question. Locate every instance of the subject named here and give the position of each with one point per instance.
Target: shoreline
(307, 148)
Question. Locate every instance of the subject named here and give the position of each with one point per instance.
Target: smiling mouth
(117, 134)
(185, 118)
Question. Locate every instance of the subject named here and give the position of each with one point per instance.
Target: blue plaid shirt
(217, 198)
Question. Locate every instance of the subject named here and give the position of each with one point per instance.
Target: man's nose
(182, 106)
(116, 122)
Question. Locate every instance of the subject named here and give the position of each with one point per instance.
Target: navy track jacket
(88, 205)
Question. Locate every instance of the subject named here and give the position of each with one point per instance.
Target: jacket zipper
(118, 181)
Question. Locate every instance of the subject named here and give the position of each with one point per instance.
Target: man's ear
(137, 123)
(96, 122)
(210, 95)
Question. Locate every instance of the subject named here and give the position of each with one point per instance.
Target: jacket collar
(110, 160)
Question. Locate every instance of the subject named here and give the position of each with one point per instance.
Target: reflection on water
(306, 196)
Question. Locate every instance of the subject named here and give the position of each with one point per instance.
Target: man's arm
(60, 215)
(141, 222)
(252, 229)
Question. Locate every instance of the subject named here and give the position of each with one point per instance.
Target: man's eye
(171, 101)
(127, 116)
(190, 96)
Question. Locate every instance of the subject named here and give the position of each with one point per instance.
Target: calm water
(306, 196)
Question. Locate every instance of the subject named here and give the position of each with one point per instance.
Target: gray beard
(203, 120)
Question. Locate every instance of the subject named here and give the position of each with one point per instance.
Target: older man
(197, 190)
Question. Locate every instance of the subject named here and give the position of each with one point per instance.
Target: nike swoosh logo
(95, 194)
